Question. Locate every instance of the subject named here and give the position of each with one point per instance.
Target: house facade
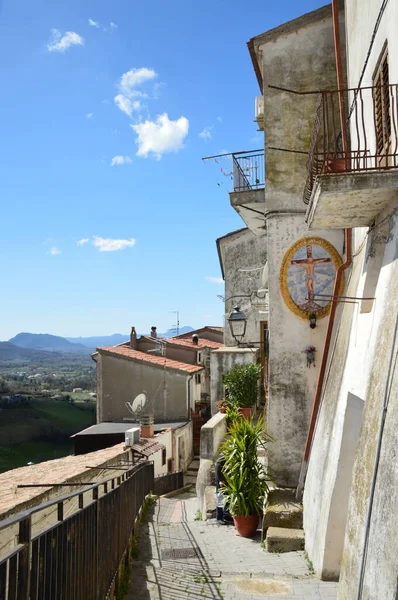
(174, 373)
(350, 493)
(301, 265)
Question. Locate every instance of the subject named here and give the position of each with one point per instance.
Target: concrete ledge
(211, 436)
(280, 539)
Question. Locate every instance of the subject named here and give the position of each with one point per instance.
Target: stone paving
(211, 561)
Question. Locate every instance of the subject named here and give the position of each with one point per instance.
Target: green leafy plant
(241, 385)
(246, 480)
(198, 515)
(232, 414)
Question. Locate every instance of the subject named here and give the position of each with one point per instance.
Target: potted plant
(222, 405)
(241, 387)
(245, 480)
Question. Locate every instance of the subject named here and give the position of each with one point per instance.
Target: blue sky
(107, 108)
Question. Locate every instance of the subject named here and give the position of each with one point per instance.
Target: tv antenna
(176, 327)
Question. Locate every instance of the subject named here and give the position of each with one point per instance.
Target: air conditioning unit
(259, 111)
(132, 436)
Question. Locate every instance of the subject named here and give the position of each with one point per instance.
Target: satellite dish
(138, 406)
(139, 403)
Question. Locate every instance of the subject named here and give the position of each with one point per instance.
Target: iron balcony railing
(71, 547)
(248, 170)
(371, 132)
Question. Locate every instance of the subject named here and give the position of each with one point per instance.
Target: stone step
(280, 539)
(282, 510)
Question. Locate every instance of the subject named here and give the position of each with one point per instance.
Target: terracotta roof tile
(202, 343)
(159, 361)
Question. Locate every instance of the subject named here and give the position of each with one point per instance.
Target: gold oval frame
(337, 261)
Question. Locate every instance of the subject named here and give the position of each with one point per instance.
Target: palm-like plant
(245, 482)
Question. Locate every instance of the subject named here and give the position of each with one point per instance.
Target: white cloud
(160, 136)
(131, 79)
(127, 105)
(93, 23)
(219, 119)
(113, 25)
(54, 251)
(60, 43)
(206, 133)
(126, 99)
(89, 115)
(111, 245)
(214, 279)
(121, 160)
(83, 241)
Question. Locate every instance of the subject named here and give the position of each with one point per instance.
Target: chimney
(147, 428)
(153, 332)
(195, 339)
(133, 339)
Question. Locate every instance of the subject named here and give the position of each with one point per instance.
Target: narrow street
(181, 557)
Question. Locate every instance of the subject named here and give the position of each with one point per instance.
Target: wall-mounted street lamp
(312, 320)
(237, 323)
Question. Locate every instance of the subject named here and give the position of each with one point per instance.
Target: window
(199, 357)
(197, 378)
(163, 457)
(381, 101)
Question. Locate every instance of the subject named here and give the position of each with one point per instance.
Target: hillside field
(39, 430)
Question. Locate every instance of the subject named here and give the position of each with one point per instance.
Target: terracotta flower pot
(222, 410)
(246, 526)
(246, 412)
(337, 165)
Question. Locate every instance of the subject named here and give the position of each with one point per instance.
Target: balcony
(350, 188)
(248, 175)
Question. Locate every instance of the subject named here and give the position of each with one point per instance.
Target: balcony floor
(345, 200)
(250, 205)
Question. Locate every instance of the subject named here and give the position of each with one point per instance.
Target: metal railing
(372, 132)
(248, 170)
(77, 555)
(168, 483)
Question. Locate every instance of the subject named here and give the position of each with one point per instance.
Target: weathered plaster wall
(302, 60)
(292, 384)
(183, 451)
(122, 380)
(242, 253)
(165, 438)
(211, 436)
(335, 505)
(222, 361)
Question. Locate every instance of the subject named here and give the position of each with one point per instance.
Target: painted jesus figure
(309, 265)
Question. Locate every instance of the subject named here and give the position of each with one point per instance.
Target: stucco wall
(302, 60)
(122, 380)
(292, 384)
(222, 361)
(242, 253)
(183, 449)
(335, 505)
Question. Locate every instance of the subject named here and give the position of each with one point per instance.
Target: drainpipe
(340, 270)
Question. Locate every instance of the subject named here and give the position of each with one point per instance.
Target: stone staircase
(283, 521)
(192, 472)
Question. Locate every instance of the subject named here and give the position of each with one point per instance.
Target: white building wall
(335, 501)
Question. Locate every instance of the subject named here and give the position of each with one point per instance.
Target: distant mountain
(45, 341)
(10, 351)
(119, 338)
(100, 340)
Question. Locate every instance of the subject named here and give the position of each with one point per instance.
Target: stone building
(295, 57)
(174, 373)
(243, 263)
(350, 494)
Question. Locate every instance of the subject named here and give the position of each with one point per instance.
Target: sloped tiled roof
(202, 343)
(155, 360)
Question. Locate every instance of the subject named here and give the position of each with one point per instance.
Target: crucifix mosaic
(308, 271)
